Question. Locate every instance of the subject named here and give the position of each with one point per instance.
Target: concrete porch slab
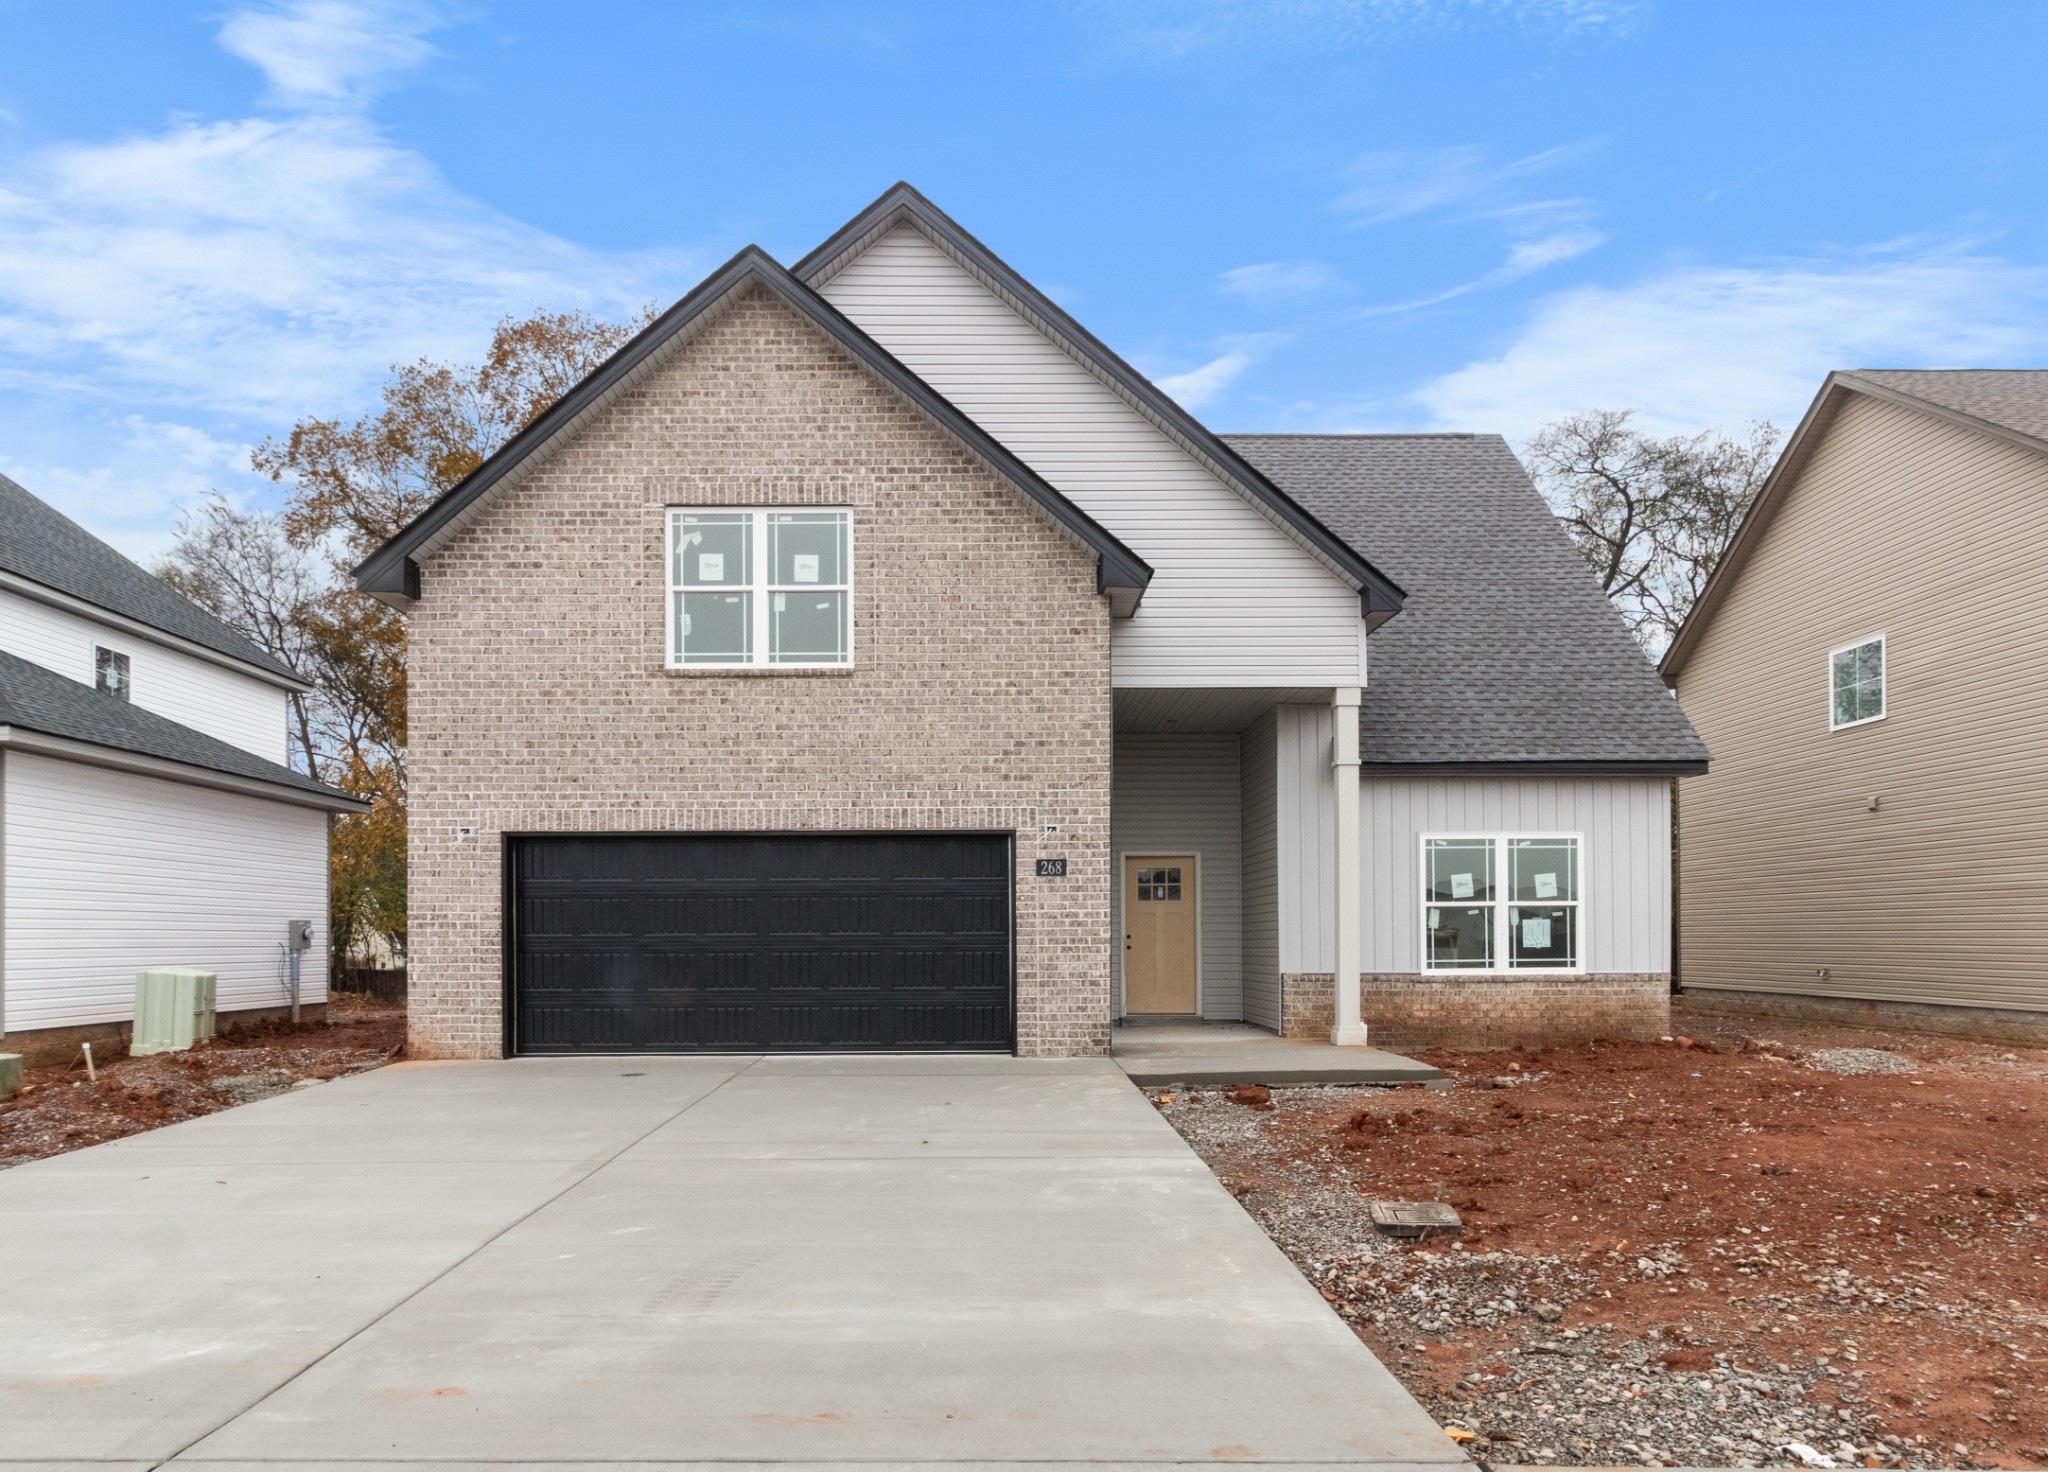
(1155, 1054)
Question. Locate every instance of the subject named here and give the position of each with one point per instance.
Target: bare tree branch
(1651, 517)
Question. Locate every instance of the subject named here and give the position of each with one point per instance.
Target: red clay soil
(1888, 1221)
(58, 1110)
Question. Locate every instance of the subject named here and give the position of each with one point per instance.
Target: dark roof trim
(391, 573)
(1533, 769)
(1379, 595)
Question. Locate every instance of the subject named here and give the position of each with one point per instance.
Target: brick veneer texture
(540, 702)
(1404, 1011)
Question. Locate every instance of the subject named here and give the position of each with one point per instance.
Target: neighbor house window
(1856, 684)
(1500, 902)
(110, 673)
(760, 587)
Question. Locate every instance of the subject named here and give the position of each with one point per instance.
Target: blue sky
(1294, 214)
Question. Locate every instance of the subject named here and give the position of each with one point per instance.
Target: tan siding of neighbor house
(1935, 536)
(979, 697)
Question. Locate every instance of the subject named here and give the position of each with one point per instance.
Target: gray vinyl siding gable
(1174, 794)
(1234, 599)
(1257, 753)
(1935, 536)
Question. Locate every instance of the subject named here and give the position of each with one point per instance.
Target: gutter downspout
(1349, 1031)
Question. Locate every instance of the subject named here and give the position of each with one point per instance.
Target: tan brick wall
(540, 701)
(1408, 1011)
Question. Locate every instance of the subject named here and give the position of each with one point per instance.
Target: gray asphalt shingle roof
(1506, 651)
(35, 699)
(2016, 398)
(41, 544)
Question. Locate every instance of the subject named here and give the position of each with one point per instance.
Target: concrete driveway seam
(581, 1174)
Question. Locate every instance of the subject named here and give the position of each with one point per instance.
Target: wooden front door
(1159, 935)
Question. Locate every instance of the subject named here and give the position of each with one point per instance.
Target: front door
(1159, 935)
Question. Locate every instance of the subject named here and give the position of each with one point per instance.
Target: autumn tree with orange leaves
(284, 580)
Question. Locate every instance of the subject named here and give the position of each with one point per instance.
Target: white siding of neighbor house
(1624, 825)
(238, 709)
(107, 873)
(1258, 781)
(1179, 795)
(1234, 599)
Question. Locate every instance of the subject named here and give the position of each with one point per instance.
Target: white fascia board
(85, 753)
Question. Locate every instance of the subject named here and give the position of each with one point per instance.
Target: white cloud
(1171, 29)
(1204, 385)
(269, 264)
(1398, 183)
(225, 277)
(324, 53)
(1719, 346)
(148, 471)
(1271, 282)
(1525, 258)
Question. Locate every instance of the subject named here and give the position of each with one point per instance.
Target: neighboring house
(1865, 665)
(147, 814)
(867, 657)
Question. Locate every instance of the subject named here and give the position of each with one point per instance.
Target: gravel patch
(1861, 1060)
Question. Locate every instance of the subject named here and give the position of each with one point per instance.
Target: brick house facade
(1125, 718)
(980, 699)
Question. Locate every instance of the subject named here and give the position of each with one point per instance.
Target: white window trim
(1500, 904)
(759, 589)
(1884, 680)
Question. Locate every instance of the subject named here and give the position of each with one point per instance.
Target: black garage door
(715, 943)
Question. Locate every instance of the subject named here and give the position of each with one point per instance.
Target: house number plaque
(1052, 868)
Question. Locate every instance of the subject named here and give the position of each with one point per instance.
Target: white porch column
(1349, 1031)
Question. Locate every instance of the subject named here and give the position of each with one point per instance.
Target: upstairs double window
(760, 588)
(1501, 902)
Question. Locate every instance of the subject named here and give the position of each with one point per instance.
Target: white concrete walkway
(804, 1262)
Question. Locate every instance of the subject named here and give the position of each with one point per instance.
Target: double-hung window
(1856, 684)
(110, 672)
(760, 587)
(1501, 902)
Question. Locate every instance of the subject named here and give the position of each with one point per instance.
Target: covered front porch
(1219, 847)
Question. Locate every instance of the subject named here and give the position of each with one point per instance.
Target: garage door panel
(788, 942)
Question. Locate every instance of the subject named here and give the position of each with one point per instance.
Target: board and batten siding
(1258, 752)
(1234, 599)
(1174, 794)
(1624, 825)
(238, 709)
(107, 873)
(1935, 536)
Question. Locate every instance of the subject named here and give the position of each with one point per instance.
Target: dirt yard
(58, 1110)
(1759, 1244)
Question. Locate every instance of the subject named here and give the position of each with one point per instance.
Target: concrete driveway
(809, 1262)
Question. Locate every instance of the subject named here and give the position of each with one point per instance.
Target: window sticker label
(1546, 886)
(710, 567)
(1536, 933)
(1461, 886)
(806, 567)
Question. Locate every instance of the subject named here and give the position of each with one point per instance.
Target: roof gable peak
(391, 573)
(903, 206)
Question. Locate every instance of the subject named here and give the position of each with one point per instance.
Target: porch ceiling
(1150, 710)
